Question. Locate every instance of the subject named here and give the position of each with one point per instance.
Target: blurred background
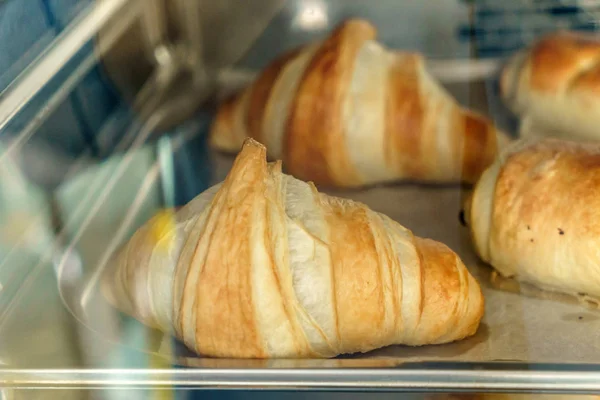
(104, 111)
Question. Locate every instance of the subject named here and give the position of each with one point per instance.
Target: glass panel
(105, 113)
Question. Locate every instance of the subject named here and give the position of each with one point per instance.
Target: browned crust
(179, 267)
(588, 81)
(411, 129)
(260, 92)
(358, 290)
(313, 145)
(562, 176)
(225, 317)
(441, 289)
(479, 145)
(394, 273)
(556, 60)
(404, 118)
(421, 285)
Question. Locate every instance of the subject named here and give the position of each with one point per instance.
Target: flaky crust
(265, 266)
(535, 216)
(555, 86)
(346, 111)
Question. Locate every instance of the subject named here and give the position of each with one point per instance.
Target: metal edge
(449, 380)
(39, 73)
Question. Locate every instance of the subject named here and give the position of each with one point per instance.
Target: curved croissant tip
(251, 149)
(357, 24)
(251, 143)
(357, 21)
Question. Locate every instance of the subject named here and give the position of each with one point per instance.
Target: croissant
(347, 112)
(534, 215)
(265, 266)
(554, 86)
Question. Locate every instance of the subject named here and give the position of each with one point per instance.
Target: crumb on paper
(494, 276)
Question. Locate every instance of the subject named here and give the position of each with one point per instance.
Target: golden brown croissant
(348, 112)
(263, 265)
(555, 86)
(534, 215)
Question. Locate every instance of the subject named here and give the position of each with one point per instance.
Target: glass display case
(105, 112)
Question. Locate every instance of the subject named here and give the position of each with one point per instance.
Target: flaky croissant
(347, 112)
(534, 215)
(554, 86)
(263, 265)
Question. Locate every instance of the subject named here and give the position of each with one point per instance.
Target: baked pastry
(263, 266)
(554, 86)
(534, 215)
(346, 111)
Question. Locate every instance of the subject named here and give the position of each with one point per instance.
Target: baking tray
(530, 341)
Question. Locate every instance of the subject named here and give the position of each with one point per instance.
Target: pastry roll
(535, 215)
